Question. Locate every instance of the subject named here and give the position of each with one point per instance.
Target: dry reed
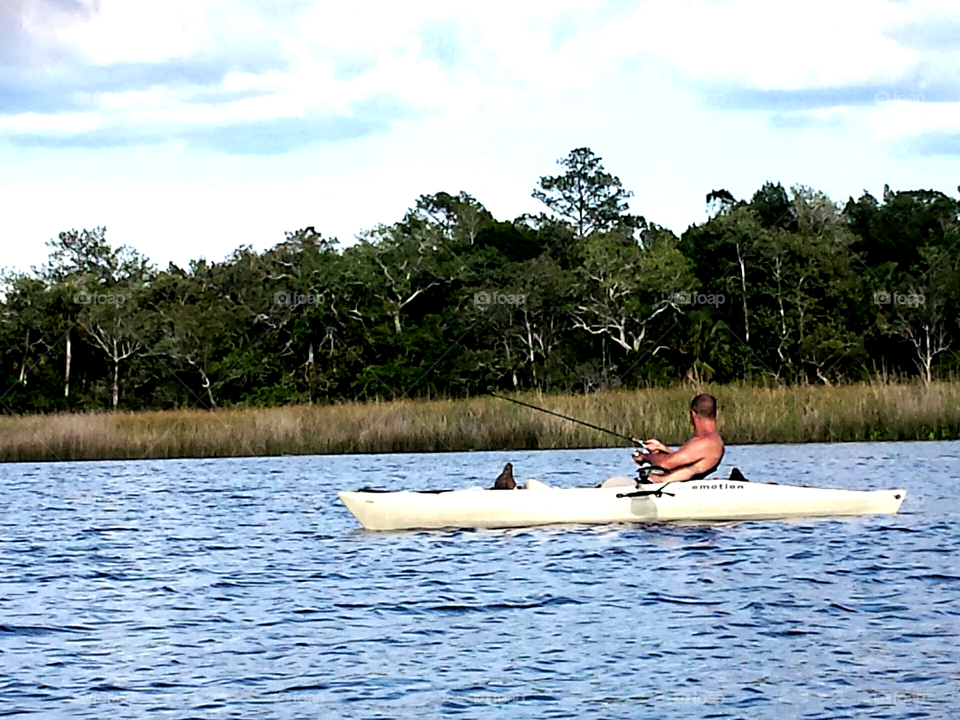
(748, 415)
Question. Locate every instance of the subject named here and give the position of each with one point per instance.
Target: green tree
(193, 324)
(808, 297)
(457, 219)
(626, 290)
(308, 314)
(923, 309)
(908, 244)
(400, 263)
(110, 321)
(721, 252)
(84, 265)
(28, 334)
(586, 195)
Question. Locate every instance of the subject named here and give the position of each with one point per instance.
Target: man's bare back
(696, 458)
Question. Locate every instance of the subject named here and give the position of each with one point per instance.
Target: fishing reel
(643, 471)
(643, 475)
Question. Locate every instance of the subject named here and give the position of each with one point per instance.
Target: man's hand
(654, 445)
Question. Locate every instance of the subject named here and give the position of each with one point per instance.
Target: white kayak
(539, 504)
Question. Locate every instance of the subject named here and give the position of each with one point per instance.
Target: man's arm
(689, 453)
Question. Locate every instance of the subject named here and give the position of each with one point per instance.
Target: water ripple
(241, 588)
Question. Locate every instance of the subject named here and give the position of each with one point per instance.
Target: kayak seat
(533, 484)
(619, 481)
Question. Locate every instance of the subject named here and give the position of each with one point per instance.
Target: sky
(191, 127)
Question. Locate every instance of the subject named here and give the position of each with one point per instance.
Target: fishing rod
(636, 441)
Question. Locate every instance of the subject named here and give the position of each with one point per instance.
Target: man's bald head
(705, 406)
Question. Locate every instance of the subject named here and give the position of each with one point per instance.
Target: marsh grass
(747, 415)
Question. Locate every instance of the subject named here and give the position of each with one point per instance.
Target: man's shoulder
(706, 443)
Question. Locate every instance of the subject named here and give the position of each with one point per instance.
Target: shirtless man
(696, 458)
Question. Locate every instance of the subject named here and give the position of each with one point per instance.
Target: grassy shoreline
(747, 415)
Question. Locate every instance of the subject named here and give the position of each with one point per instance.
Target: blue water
(242, 588)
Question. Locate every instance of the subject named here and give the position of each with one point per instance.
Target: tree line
(449, 301)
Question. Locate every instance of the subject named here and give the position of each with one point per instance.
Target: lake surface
(243, 588)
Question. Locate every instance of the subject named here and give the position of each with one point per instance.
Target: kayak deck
(705, 500)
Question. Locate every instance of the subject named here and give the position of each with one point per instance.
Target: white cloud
(118, 31)
(896, 118)
(42, 123)
(766, 45)
(501, 107)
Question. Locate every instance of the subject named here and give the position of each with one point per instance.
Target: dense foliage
(450, 301)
